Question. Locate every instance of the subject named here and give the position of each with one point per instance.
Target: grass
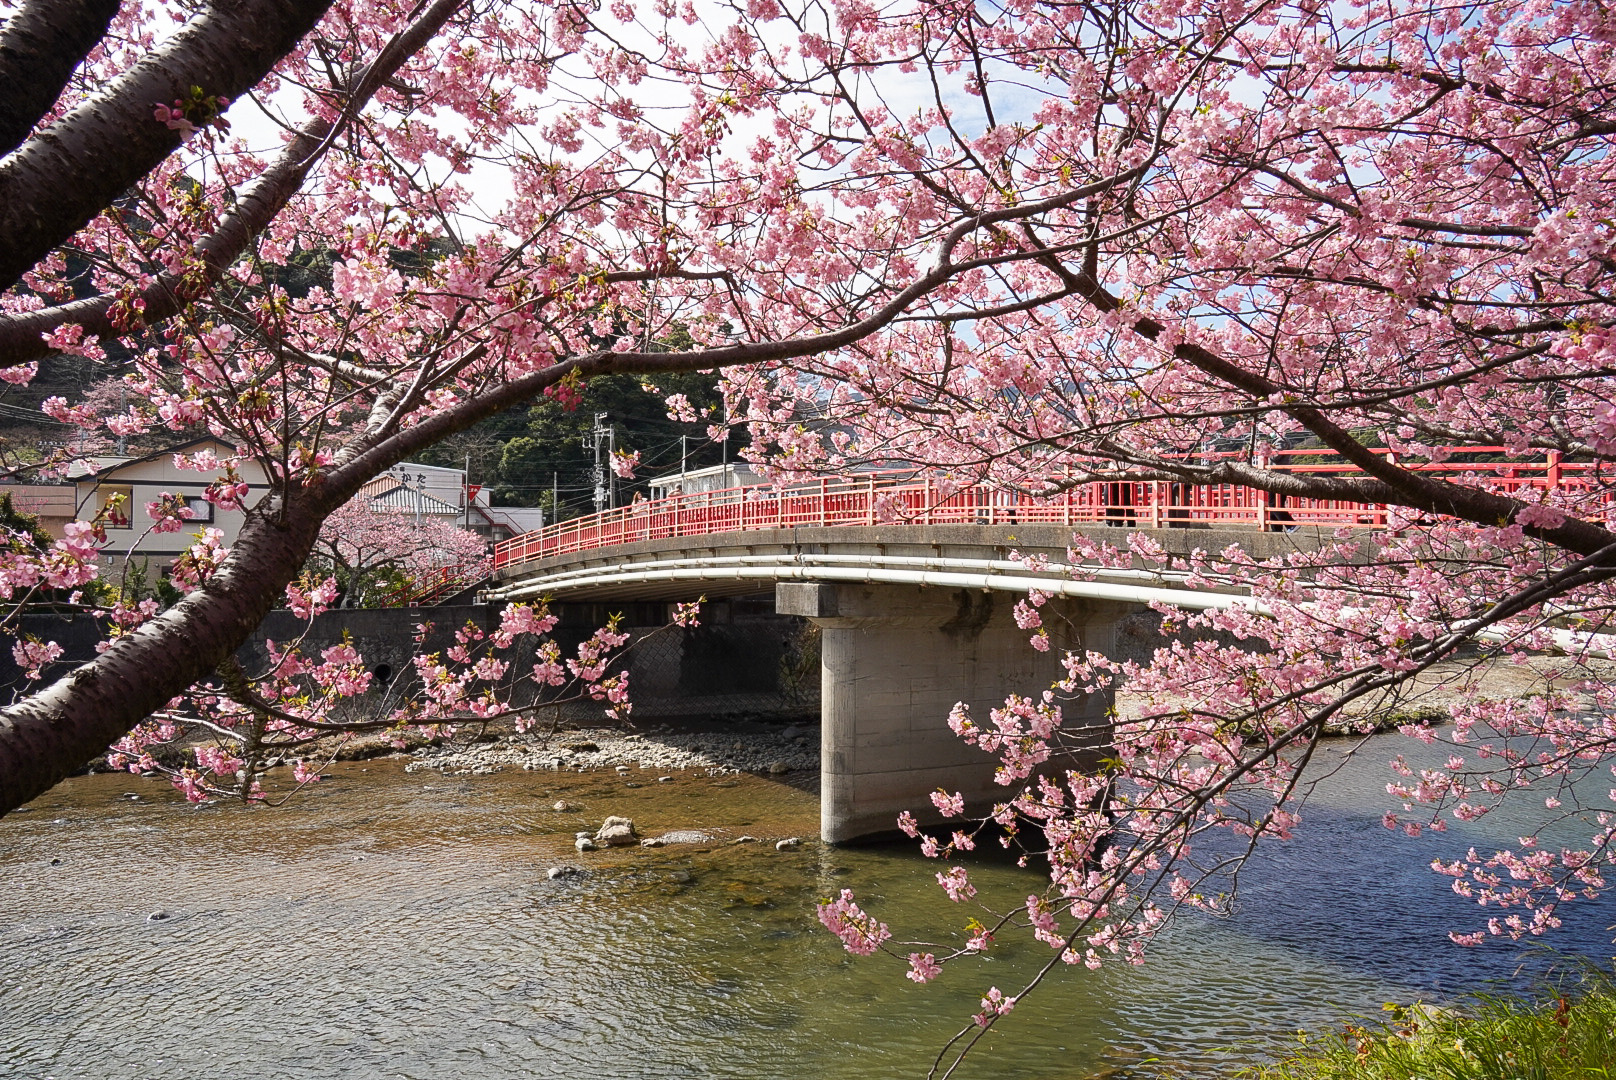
(1498, 1038)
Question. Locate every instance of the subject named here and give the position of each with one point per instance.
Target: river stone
(566, 870)
(616, 832)
(788, 844)
(680, 877)
(583, 843)
(653, 841)
(778, 768)
(562, 806)
(744, 840)
(157, 916)
(686, 836)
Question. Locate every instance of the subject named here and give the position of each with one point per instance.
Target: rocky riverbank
(713, 753)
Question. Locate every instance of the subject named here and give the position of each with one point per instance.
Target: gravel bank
(794, 749)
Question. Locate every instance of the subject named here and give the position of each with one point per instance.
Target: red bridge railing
(907, 499)
(432, 586)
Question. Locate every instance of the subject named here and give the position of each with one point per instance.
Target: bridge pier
(895, 659)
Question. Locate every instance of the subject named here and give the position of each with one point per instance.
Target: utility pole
(724, 448)
(600, 433)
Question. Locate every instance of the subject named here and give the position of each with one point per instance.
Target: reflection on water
(392, 926)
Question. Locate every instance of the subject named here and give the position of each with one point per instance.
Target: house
(122, 486)
(697, 481)
(53, 504)
(440, 493)
(502, 522)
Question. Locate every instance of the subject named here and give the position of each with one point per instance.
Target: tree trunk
(51, 734)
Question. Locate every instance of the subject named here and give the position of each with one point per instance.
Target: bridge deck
(953, 556)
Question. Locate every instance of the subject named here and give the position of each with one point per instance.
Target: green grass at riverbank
(1495, 1038)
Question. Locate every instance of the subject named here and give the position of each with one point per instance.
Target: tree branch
(22, 335)
(68, 173)
(40, 47)
(1407, 488)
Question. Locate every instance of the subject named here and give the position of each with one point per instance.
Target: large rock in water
(616, 832)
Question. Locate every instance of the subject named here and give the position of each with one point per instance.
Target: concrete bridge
(912, 582)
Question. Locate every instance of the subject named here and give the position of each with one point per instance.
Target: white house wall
(145, 481)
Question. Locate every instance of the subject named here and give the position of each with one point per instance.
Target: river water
(393, 925)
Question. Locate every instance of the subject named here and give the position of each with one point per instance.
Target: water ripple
(401, 926)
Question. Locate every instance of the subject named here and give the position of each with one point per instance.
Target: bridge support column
(895, 660)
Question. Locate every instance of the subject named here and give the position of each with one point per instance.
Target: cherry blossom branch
(23, 334)
(82, 161)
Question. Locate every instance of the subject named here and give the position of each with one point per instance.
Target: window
(115, 503)
(201, 510)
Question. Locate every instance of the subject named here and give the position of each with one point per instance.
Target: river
(390, 925)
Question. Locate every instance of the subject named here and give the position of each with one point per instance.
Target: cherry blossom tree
(1041, 245)
(1379, 231)
(367, 550)
(436, 312)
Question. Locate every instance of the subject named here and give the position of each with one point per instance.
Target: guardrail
(903, 498)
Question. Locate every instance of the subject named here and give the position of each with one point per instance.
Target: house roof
(379, 485)
(401, 498)
(106, 466)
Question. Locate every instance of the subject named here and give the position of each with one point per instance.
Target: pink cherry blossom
(860, 934)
